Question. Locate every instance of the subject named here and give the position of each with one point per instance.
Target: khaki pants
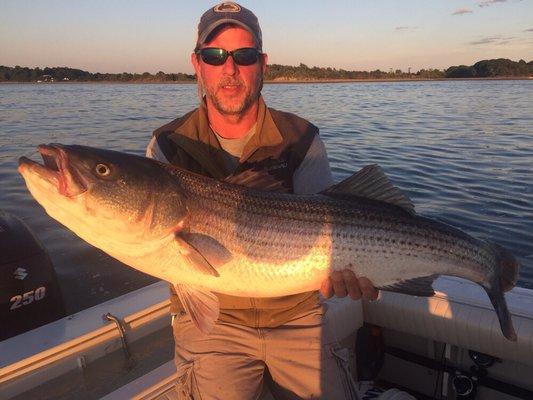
(299, 360)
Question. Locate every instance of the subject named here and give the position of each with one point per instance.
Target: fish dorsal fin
(202, 306)
(256, 179)
(372, 183)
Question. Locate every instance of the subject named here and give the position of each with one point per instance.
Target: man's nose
(229, 67)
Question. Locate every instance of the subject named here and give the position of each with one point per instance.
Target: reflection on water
(462, 151)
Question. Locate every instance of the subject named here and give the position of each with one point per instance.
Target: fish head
(104, 195)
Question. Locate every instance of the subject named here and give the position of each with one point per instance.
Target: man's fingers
(339, 287)
(368, 290)
(342, 283)
(326, 289)
(350, 280)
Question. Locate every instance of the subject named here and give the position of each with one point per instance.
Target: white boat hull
(459, 318)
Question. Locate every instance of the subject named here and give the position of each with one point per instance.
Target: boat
(449, 346)
(431, 345)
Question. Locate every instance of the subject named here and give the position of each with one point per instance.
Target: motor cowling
(29, 291)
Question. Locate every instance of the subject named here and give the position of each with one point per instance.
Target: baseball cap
(228, 12)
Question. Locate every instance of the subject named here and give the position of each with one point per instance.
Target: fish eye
(102, 170)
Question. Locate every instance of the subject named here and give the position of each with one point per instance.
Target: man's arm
(313, 176)
(154, 151)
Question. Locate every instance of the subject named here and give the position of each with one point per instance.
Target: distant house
(48, 78)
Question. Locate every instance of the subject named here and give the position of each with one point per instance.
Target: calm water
(463, 152)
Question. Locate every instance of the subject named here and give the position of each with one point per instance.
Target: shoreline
(521, 78)
(295, 81)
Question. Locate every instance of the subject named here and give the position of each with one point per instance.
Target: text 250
(21, 300)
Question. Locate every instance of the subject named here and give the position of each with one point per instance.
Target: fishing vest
(278, 147)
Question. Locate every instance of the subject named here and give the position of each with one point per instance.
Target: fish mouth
(56, 170)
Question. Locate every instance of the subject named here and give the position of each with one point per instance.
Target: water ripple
(463, 151)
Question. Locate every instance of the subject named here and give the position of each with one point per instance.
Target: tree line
(62, 74)
(500, 67)
(302, 72)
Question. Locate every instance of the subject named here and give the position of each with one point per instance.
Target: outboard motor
(29, 292)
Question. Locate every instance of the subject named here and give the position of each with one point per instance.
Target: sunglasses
(216, 56)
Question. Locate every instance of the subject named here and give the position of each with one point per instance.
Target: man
(233, 131)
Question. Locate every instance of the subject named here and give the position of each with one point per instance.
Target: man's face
(231, 88)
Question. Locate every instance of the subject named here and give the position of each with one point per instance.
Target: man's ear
(264, 56)
(195, 63)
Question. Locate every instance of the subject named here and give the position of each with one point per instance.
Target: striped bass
(207, 236)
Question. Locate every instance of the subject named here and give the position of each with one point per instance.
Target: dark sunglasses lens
(245, 56)
(214, 56)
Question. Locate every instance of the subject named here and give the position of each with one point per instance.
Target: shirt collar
(267, 133)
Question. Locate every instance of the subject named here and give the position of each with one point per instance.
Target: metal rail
(122, 332)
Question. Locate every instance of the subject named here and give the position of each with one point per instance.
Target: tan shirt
(235, 146)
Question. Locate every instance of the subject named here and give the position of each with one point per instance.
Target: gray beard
(240, 108)
(233, 110)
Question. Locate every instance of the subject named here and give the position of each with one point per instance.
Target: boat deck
(109, 373)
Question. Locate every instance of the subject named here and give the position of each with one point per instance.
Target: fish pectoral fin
(195, 257)
(215, 253)
(202, 306)
(415, 287)
(372, 183)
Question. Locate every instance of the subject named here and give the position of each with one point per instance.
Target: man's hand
(342, 283)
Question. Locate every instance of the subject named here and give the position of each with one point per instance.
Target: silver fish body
(209, 236)
(292, 242)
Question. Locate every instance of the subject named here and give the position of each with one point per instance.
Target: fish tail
(501, 280)
(500, 305)
(507, 267)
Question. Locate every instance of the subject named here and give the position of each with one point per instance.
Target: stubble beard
(235, 108)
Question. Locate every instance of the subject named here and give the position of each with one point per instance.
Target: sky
(159, 35)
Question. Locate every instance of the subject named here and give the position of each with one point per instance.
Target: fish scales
(271, 231)
(204, 235)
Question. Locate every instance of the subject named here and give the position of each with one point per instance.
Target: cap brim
(217, 23)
